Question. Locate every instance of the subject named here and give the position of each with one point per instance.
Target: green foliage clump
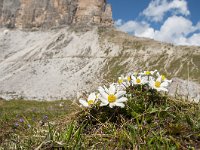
(150, 120)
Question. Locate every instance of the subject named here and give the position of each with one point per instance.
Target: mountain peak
(46, 14)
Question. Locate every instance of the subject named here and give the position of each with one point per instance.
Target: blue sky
(173, 21)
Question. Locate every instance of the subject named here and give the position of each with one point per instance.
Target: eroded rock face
(52, 13)
(93, 12)
(186, 90)
(64, 63)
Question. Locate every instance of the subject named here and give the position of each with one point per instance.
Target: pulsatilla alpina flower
(139, 80)
(158, 84)
(112, 97)
(121, 79)
(163, 78)
(124, 81)
(90, 100)
(148, 73)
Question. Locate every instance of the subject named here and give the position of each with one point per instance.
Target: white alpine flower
(112, 97)
(148, 73)
(121, 79)
(158, 84)
(163, 78)
(128, 78)
(90, 100)
(124, 81)
(139, 80)
(135, 73)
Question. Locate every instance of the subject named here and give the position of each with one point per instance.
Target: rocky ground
(62, 63)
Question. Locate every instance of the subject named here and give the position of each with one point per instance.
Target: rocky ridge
(65, 63)
(45, 14)
(79, 50)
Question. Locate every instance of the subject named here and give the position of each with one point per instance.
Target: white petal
(83, 102)
(103, 100)
(133, 77)
(120, 105)
(133, 81)
(151, 83)
(100, 88)
(123, 99)
(111, 105)
(120, 87)
(112, 89)
(164, 84)
(106, 89)
(158, 74)
(120, 93)
(144, 80)
(103, 104)
(170, 81)
(103, 93)
(151, 78)
(163, 89)
(152, 72)
(92, 96)
(97, 96)
(142, 73)
(159, 79)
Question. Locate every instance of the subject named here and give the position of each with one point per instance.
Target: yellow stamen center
(138, 81)
(120, 81)
(163, 77)
(112, 98)
(147, 72)
(90, 102)
(129, 78)
(157, 84)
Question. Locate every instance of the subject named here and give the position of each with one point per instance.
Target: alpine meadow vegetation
(133, 113)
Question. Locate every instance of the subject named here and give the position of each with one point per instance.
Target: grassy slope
(23, 124)
(141, 53)
(169, 125)
(147, 122)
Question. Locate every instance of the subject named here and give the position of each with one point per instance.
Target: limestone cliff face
(52, 13)
(94, 12)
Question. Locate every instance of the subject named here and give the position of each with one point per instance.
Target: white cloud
(194, 40)
(141, 29)
(157, 9)
(176, 29)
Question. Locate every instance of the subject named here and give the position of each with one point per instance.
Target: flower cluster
(116, 94)
(21, 122)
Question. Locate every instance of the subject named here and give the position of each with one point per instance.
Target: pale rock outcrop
(46, 14)
(36, 13)
(93, 12)
(186, 90)
(64, 63)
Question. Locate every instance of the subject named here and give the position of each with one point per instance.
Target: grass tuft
(150, 120)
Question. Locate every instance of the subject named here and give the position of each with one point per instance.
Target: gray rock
(64, 63)
(186, 90)
(45, 14)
